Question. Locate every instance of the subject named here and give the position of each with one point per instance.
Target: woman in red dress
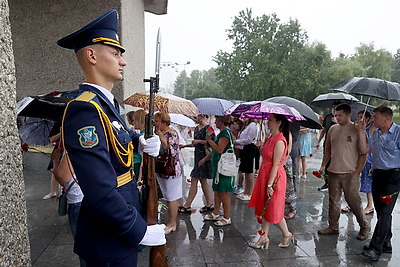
(268, 196)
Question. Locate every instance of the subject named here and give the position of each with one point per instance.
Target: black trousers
(384, 183)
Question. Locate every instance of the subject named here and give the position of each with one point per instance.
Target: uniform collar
(105, 92)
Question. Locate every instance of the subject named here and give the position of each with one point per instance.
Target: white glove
(154, 236)
(151, 145)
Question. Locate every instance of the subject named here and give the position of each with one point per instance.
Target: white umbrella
(182, 120)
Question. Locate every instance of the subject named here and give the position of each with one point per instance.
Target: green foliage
(199, 84)
(270, 58)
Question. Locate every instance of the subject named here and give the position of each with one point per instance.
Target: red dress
(276, 206)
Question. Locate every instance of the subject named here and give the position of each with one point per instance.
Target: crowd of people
(105, 210)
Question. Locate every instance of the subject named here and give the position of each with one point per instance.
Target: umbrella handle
(365, 110)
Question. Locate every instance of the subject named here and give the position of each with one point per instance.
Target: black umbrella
(312, 121)
(50, 106)
(369, 87)
(36, 131)
(327, 100)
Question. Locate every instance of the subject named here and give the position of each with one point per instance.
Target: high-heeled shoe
(170, 229)
(262, 243)
(286, 240)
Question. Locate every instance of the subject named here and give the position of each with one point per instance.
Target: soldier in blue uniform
(100, 147)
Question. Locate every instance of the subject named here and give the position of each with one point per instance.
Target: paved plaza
(197, 243)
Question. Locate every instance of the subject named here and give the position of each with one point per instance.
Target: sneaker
(239, 190)
(323, 188)
(243, 197)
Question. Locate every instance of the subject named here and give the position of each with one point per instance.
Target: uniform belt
(124, 178)
(389, 170)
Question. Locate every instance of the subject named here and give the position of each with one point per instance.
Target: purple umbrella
(262, 109)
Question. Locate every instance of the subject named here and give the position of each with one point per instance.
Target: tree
(199, 84)
(396, 67)
(374, 63)
(269, 58)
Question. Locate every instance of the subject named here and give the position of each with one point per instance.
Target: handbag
(62, 201)
(227, 164)
(165, 164)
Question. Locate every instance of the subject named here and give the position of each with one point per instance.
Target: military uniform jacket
(110, 225)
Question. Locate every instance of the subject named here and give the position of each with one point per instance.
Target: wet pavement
(199, 243)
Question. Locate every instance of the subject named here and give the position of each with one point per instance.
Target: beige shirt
(343, 144)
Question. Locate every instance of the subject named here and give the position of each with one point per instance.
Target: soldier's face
(110, 62)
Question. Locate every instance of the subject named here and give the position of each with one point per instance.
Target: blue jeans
(73, 214)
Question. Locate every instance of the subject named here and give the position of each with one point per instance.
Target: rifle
(158, 254)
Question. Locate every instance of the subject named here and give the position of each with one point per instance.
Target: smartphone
(209, 131)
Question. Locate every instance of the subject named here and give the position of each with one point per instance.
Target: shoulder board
(86, 96)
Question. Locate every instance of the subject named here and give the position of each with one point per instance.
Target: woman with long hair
(268, 196)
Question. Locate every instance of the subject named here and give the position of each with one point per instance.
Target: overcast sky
(194, 30)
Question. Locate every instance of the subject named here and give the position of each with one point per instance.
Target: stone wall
(14, 239)
(42, 66)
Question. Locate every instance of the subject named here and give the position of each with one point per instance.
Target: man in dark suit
(100, 147)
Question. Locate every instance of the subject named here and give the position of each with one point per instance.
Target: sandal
(291, 214)
(212, 217)
(369, 211)
(346, 209)
(183, 210)
(223, 222)
(207, 208)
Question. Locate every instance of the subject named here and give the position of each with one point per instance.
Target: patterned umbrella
(262, 109)
(163, 102)
(312, 121)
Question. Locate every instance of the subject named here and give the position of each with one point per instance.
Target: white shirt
(107, 93)
(247, 136)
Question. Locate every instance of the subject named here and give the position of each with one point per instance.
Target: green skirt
(225, 183)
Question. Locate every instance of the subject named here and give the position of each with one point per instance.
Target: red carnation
(259, 219)
(25, 147)
(317, 174)
(261, 232)
(386, 199)
(311, 155)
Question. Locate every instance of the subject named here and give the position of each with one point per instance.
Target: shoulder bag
(62, 201)
(165, 164)
(227, 163)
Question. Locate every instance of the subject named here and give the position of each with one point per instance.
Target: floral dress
(173, 145)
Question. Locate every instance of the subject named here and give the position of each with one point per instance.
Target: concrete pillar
(14, 240)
